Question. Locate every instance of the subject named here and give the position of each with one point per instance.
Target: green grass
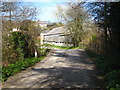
(61, 47)
(37, 41)
(20, 65)
(43, 51)
(12, 69)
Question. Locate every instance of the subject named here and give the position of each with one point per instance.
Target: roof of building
(58, 30)
(42, 22)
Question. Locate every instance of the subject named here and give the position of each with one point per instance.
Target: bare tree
(25, 11)
(74, 16)
(15, 19)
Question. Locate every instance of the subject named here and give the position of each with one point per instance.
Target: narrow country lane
(70, 68)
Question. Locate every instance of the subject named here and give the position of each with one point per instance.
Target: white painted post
(41, 38)
(35, 53)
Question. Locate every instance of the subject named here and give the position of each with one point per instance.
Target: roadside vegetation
(108, 69)
(62, 47)
(19, 46)
(95, 26)
(19, 65)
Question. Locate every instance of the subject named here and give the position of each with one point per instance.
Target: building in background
(42, 24)
(58, 36)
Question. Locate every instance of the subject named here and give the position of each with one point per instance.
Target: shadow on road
(80, 74)
(62, 69)
(68, 78)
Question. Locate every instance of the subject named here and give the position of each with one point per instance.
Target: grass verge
(62, 47)
(20, 65)
(109, 69)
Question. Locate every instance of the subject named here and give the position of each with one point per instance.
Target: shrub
(17, 46)
(113, 80)
(109, 68)
(18, 40)
(12, 69)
